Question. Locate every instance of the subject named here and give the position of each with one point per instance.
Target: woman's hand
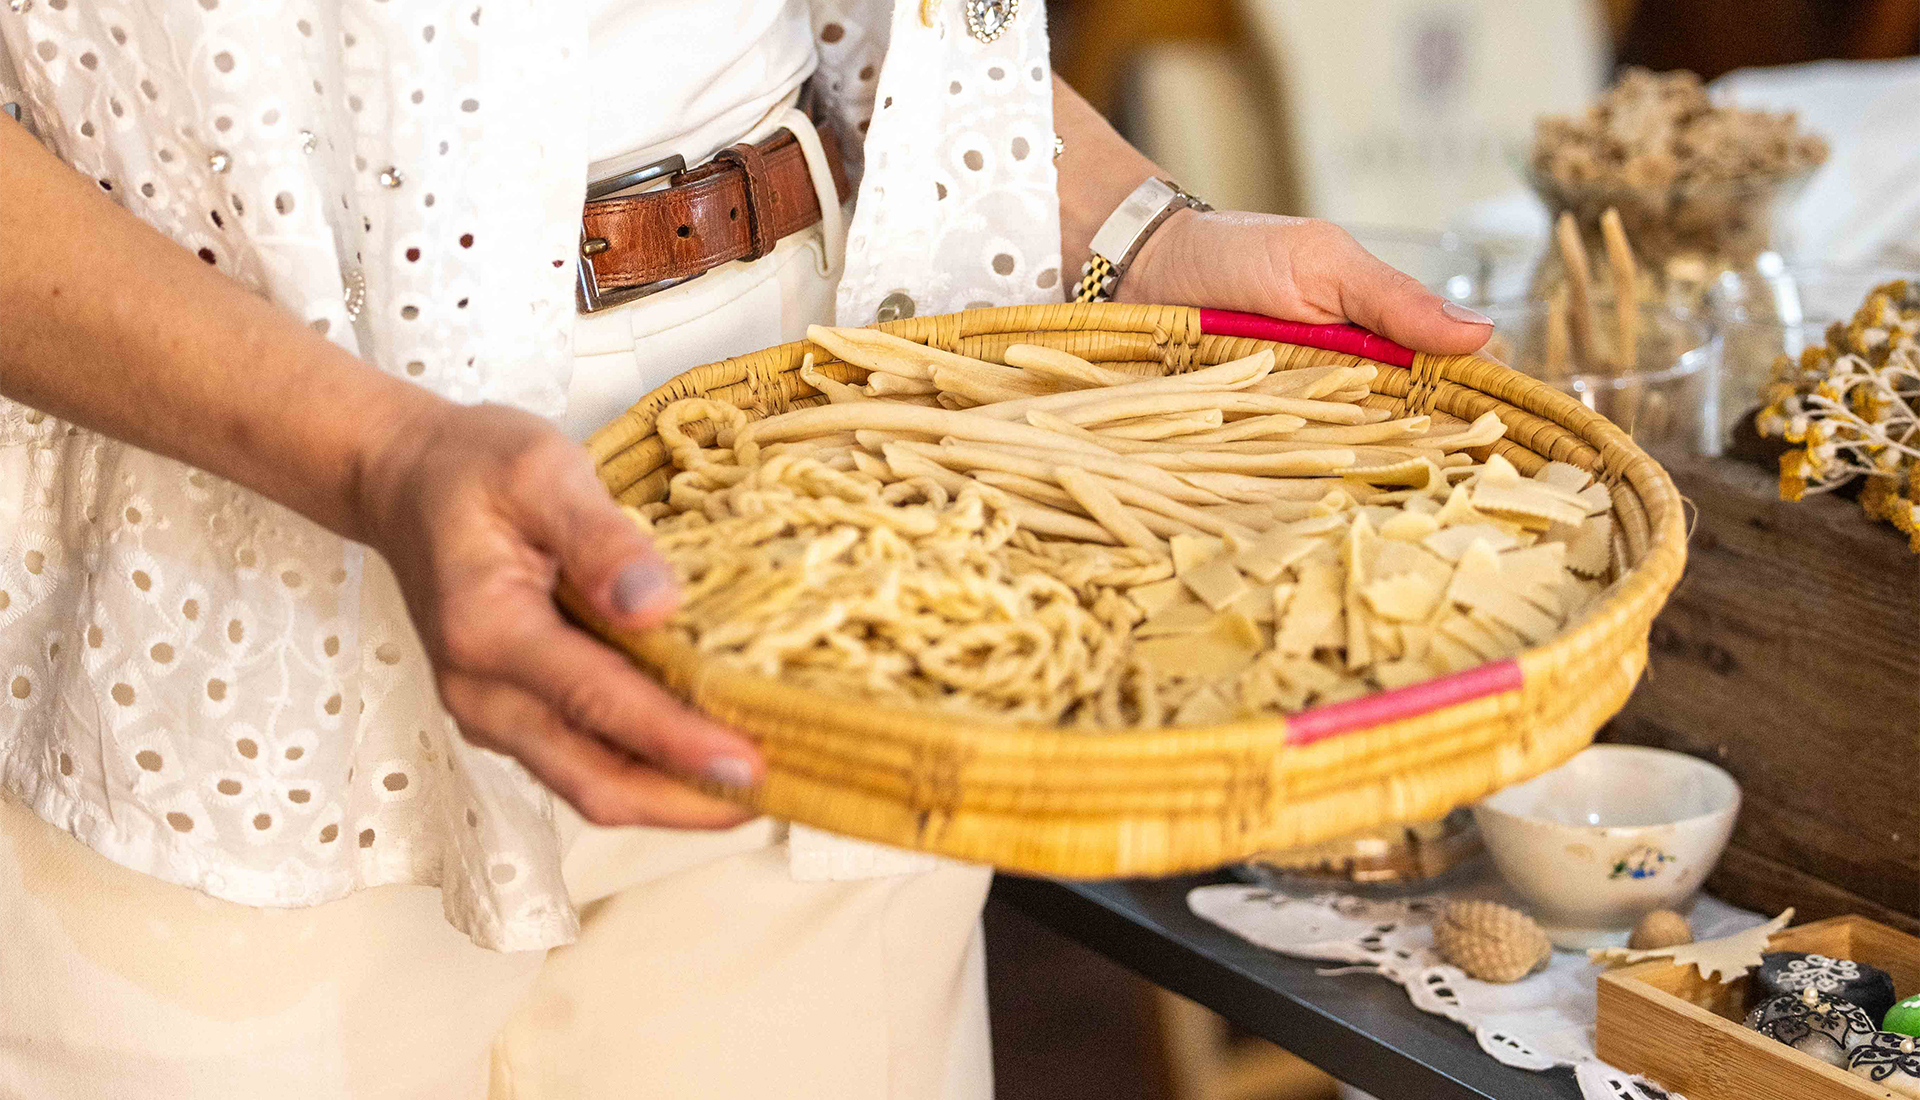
(480, 511)
(1296, 269)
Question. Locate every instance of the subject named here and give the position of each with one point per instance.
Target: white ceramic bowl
(1611, 835)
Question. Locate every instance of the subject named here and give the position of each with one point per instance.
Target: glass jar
(1699, 246)
(1670, 400)
(1445, 263)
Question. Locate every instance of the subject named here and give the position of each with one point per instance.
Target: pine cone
(1490, 941)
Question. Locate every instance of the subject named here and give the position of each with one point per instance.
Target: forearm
(108, 324)
(1097, 169)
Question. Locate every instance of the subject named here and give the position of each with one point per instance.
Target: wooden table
(1360, 1029)
(1789, 654)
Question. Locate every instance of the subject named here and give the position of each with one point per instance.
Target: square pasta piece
(1404, 598)
(1563, 475)
(1190, 551)
(1158, 596)
(1529, 501)
(1473, 636)
(1538, 566)
(1599, 499)
(1314, 609)
(1206, 707)
(1215, 580)
(1589, 544)
(1222, 651)
(1189, 616)
(1448, 655)
(1392, 557)
(1409, 526)
(1404, 673)
(1265, 557)
(1257, 603)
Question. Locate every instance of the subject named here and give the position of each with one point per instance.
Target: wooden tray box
(1665, 1022)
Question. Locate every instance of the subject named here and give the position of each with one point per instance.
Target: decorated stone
(1837, 979)
(1889, 1060)
(1903, 1018)
(1813, 1025)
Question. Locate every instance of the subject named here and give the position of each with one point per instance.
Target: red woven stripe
(1387, 706)
(1350, 339)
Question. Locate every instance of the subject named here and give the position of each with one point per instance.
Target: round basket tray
(1137, 802)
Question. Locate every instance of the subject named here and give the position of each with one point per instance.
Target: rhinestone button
(20, 7)
(894, 307)
(309, 141)
(353, 292)
(390, 177)
(986, 19)
(219, 161)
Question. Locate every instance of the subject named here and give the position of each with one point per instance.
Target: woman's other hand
(1296, 269)
(481, 511)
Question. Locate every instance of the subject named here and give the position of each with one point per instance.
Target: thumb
(1392, 303)
(607, 557)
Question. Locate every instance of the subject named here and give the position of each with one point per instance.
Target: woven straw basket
(1086, 804)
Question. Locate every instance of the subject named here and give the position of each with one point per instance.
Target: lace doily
(1541, 1023)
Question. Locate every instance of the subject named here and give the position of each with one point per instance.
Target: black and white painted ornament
(1838, 979)
(1813, 1025)
(1890, 1060)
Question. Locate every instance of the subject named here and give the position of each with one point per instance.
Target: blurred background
(1411, 123)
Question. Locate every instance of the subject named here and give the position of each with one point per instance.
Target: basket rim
(919, 727)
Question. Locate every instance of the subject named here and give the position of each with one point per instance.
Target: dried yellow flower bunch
(1851, 406)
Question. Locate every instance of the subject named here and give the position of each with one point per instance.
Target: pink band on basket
(1387, 706)
(1349, 339)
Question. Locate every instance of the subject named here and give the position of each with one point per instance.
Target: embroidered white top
(686, 76)
(208, 688)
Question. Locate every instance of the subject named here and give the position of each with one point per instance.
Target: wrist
(399, 431)
(1154, 276)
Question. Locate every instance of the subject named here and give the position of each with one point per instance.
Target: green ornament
(1903, 1017)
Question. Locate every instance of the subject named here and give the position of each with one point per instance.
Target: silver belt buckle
(588, 297)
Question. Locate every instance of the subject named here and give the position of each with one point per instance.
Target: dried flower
(1851, 408)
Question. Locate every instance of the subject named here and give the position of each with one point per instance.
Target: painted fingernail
(1457, 312)
(640, 584)
(730, 771)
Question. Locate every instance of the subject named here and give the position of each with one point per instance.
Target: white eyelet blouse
(206, 687)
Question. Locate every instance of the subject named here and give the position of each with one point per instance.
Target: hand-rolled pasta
(1196, 549)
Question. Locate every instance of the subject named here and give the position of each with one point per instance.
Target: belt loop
(833, 220)
(759, 196)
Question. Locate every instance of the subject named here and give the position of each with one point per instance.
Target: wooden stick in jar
(1559, 348)
(1573, 254)
(1626, 301)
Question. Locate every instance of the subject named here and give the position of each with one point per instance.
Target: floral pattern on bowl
(1643, 862)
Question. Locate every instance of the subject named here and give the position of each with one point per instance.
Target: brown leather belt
(736, 206)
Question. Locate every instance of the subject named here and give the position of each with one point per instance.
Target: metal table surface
(1359, 1028)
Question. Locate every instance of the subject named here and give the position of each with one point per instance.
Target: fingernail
(640, 584)
(730, 771)
(1457, 312)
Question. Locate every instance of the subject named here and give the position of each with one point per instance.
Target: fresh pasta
(1053, 542)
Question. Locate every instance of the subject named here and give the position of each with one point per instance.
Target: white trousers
(703, 968)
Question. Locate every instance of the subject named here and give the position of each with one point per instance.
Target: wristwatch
(1120, 237)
